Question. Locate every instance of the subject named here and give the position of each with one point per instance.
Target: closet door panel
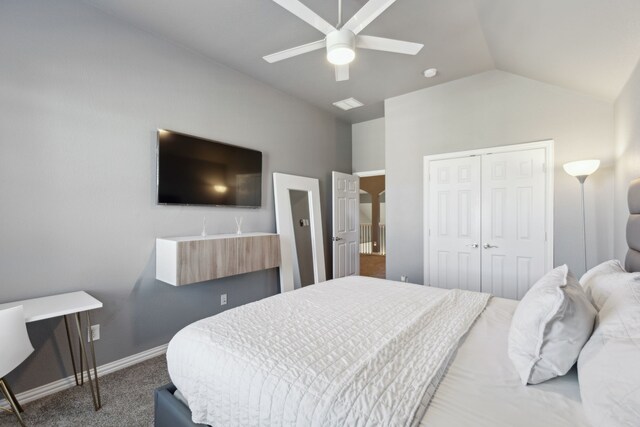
(513, 221)
(454, 223)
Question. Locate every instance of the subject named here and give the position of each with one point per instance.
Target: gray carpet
(127, 400)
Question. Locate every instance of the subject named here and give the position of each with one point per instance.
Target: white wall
(627, 125)
(365, 213)
(81, 96)
(492, 109)
(367, 145)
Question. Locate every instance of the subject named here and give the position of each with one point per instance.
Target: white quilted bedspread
(354, 351)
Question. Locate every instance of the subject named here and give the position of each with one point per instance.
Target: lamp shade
(581, 167)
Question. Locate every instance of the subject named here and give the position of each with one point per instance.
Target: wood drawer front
(202, 260)
(258, 253)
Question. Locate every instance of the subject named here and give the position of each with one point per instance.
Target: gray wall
(368, 145)
(627, 126)
(492, 109)
(81, 95)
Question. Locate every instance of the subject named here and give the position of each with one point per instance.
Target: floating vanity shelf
(186, 260)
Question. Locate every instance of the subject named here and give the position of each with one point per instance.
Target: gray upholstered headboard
(632, 262)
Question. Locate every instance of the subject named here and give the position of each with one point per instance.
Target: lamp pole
(581, 169)
(582, 179)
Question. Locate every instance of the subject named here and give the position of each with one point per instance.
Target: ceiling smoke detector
(348, 104)
(430, 72)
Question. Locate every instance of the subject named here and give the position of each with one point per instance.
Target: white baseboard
(65, 383)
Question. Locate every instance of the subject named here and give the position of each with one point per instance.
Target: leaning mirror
(299, 225)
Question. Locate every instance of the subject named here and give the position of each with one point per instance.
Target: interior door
(346, 223)
(513, 221)
(454, 223)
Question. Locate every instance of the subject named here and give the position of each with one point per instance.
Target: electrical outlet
(223, 299)
(95, 332)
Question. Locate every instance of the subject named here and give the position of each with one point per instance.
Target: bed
(480, 386)
(259, 364)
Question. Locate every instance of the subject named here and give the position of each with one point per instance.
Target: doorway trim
(548, 145)
(370, 173)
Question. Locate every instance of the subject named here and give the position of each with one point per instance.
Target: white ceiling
(586, 45)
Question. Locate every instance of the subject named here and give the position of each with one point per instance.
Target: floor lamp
(581, 169)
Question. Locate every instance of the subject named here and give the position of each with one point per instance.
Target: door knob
(473, 245)
(488, 246)
(335, 239)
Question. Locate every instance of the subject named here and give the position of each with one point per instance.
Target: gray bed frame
(171, 412)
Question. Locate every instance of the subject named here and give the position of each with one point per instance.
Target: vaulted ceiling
(589, 46)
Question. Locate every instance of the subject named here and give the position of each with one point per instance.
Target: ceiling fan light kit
(341, 47)
(341, 42)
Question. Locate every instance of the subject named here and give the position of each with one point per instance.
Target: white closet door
(513, 221)
(454, 223)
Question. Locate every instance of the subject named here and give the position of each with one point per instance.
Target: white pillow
(601, 280)
(607, 267)
(609, 364)
(549, 327)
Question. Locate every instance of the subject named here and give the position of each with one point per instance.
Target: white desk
(54, 306)
(62, 305)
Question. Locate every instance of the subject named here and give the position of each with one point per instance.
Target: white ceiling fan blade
(366, 14)
(307, 15)
(294, 51)
(388, 45)
(342, 72)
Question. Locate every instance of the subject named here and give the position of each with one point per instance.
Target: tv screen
(197, 171)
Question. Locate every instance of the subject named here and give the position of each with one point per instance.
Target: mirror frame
(282, 183)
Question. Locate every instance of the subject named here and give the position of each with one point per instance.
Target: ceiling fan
(341, 41)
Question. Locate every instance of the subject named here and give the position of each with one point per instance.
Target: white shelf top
(56, 305)
(215, 236)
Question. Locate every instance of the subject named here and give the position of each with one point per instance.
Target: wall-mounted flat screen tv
(197, 171)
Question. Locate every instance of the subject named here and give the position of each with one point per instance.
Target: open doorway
(373, 234)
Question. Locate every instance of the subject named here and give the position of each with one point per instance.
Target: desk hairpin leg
(93, 356)
(73, 357)
(80, 352)
(95, 394)
(13, 402)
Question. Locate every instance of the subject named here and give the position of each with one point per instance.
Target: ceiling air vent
(348, 104)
